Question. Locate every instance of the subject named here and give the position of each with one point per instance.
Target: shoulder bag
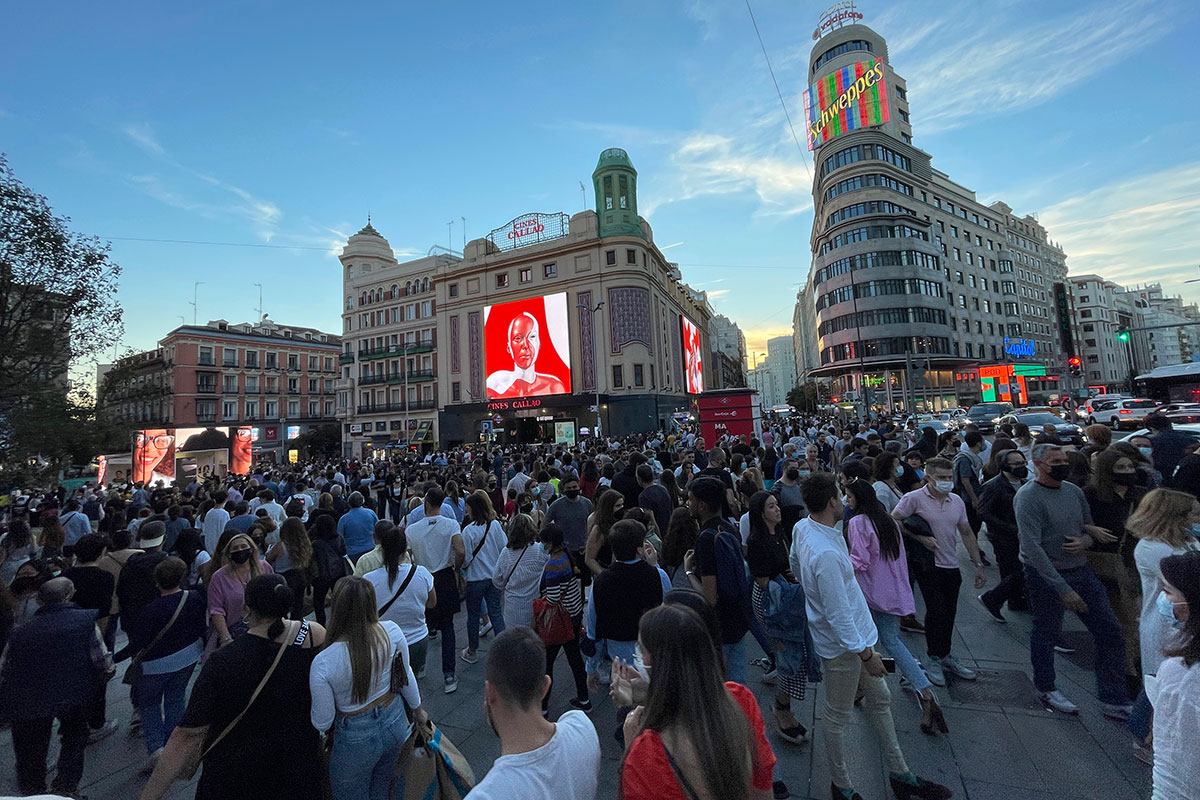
(134, 671)
(404, 585)
(190, 771)
(462, 574)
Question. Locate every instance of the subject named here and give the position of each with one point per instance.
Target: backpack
(733, 577)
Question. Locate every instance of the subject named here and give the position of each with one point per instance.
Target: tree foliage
(804, 397)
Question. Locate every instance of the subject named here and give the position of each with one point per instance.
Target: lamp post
(593, 312)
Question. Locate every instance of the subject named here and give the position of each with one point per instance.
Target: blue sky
(283, 124)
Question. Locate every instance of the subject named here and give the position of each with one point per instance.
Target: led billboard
(171, 454)
(526, 347)
(850, 98)
(693, 356)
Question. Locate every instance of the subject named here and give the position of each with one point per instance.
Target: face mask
(1146, 451)
(1194, 530)
(1124, 478)
(1020, 473)
(1166, 609)
(571, 493)
(944, 487)
(239, 556)
(793, 474)
(1060, 472)
(537, 490)
(899, 472)
(920, 473)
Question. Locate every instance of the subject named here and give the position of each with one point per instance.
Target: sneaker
(763, 663)
(451, 684)
(911, 624)
(771, 678)
(1118, 711)
(951, 665)
(486, 629)
(468, 655)
(96, 734)
(933, 671)
(1057, 701)
(780, 791)
(994, 610)
(1065, 649)
(581, 705)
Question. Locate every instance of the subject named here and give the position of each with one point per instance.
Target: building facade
(276, 379)
(728, 352)
(918, 298)
(1101, 309)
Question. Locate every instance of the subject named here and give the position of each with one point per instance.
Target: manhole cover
(1084, 645)
(996, 687)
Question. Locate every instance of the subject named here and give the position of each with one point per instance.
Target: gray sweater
(1045, 518)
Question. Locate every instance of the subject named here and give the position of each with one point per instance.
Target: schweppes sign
(851, 98)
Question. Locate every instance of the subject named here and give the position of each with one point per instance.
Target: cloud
(1127, 232)
(985, 62)
(143, 136)
(756, 338)
(716, 294)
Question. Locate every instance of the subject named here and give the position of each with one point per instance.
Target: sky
(248, 140)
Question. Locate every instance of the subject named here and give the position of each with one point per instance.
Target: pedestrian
(996, 498)
(560, 585)
(248, 718)
(75, 525)
(519, 571)
(539, 759)
(357, 527)
(437, 544)
(1175, 692)
(610, 506)
(52, 668)
(1167, 445)
(329, 554)
(483, 540)
(291, 557)
(1055, 528)
(94, 591)
(16, 547)
(239, 563)
(404, 592)
(354, 682)
(135, 583)
(844, 636)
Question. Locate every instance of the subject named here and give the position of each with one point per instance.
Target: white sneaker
(1118, 711)
(451, 684)
(1057, 701)
(96, 734)
(933, 670)
(951, 665)
(486, 629)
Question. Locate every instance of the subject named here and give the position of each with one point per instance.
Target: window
(252, 359)
(228, 357)
(251, 409)
(618, 377)
(272, 409)
(958, 276)
(272, 384)
(502, 280)
(904, 115)
(293, 361)
(229, 409)
(251, 384)
(631, 257)
(293, 408)
(901, 93)
(972, 281)
(328, 363)
(313, 363)
(293, 385)
(549, 270)
(852, 46)
(329, 408)
(206, 411)
(314, 408)
(957, 254)
(453, 290)
(206, 356)
(229, 384)
(904, 137)
(610, 257)
(313, 384)
(524, 275)
(455, 392)
(638, 375)
(206, 382)
(426, 308)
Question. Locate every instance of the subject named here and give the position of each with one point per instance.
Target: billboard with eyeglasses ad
(184, 454)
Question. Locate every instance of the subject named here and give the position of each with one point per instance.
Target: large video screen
(851, 98)
(527, 351)
(181, 454)
(693, 356)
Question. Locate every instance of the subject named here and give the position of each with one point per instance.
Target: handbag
(190, 770)
(551, 622)
(430, 767)
(134, 671)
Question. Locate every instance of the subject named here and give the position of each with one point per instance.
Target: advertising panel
(693, 356)
(172, 454)
(526, 347)
(845, 100)
(564, 433)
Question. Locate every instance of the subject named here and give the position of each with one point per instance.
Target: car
(1129, 413)
(1098, 407)
(983, 416)
(1068, 432)
(1177, 411)
(1190, 430)
(1090, 406)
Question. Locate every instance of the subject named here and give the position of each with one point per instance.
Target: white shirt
(565, 766)
(274, 511)
(838, 617)
(1175, 694)
(213, 526)
(518, 482)
(430, 539)
(409, 609)
(482, 566)
(744, 528)
(330, 679)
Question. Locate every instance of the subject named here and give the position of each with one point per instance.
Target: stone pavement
(1002, 744)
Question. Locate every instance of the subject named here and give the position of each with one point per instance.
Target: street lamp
(593, 311)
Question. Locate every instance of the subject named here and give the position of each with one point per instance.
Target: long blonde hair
(1162, 517)
(354, 619)
(294, 536)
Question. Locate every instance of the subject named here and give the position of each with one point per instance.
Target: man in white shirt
(519, 479)
(215, 520)
(275, 511)
(539, 759)
(437, 545)
(844, 636)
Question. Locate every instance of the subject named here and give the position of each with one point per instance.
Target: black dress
(274, 751)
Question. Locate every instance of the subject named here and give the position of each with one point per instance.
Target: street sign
(485, 426)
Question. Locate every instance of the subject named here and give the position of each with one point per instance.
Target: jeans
(365, 747)
(31, 743)
(160, 699)
(735, 661)
(1011, 588)
(479, 592)
(760, 636)
(939, 587)
(1047, 607)
(888, 626)
(843, 677)
(1141, 719)
(574, 659)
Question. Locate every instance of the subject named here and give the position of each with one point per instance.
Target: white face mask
(944, 487)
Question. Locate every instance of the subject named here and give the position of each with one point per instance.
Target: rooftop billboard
(845, 100)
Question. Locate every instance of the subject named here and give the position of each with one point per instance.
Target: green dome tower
(615, 185)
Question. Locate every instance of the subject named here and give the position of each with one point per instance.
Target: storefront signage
(836, 16)
(530, 229)
(513, 405)
(355, 428)
(1019, 347)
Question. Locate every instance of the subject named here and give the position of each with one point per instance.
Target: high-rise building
(729, 352)
(923, 295)
(781, 362)
(1101, 309)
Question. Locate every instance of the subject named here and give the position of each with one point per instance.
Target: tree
(58, 310)
(803, 398)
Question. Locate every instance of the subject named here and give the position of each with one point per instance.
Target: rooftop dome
(614, 157)
(368, 242)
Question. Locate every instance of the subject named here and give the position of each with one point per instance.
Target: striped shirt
(561, 585)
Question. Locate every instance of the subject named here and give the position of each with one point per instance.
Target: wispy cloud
(669, 246)
(143, 136)
(1127, 232)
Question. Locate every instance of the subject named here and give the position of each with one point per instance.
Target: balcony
(343, 383)
(422, 346)
(206, 419)
(396, 377)
(346, 358)
(388, 408)
(206, 388)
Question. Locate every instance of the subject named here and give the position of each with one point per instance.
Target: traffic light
(1076, 366)
(1122, 335)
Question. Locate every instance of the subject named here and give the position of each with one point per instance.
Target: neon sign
(836, 16)
(1019, 347)
(530, 229)
(845, 100)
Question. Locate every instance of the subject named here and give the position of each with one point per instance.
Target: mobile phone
(889, 664)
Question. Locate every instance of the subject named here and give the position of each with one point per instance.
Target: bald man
(524, 344)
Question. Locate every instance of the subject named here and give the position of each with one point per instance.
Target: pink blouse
(884, 583)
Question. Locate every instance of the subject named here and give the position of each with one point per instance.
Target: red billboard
(171, 454)
(693, 356)
(527, 351)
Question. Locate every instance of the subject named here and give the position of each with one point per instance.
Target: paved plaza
(1002, 744)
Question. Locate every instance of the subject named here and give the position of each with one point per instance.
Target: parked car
(1068, 432)
(1126, 413)
(983, 416)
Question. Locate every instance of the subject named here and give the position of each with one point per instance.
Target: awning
(1190, 369)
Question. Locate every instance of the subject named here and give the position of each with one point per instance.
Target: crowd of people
(277, 626)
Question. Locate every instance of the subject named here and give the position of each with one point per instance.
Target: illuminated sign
(1019, 347)
(693, 356)
(836, 16)
(173, 454)
(530, 229)
(293, 432)
(526, 349)
(872, 380)
(846, 100)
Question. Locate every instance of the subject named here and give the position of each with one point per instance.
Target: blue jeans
(889, 639)
(160, 701)
(1141, 719)
(735, 661)
(479, 592)
(1047, 607)
(365, 748)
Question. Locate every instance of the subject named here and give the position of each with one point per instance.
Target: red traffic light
(1074, 361)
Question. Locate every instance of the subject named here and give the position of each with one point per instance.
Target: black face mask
(1060, 472)
(793, 474)
(571, 493)
(239, 556)
(1124, 478)
(1020, 473)
(20, 586)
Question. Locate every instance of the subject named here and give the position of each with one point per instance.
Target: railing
(413, 405)
(396, 377)
(422, 346)
(206, 388)
(346, 358)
